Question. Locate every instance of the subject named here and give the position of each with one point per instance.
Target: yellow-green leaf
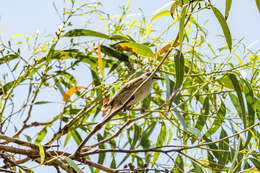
(85, 32)
(224, 26)
(181, 25)
(161, 14)
(140, 49)
(42, 153)
(258, 4)
(227, 9)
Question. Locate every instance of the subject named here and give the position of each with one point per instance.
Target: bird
(126, 90)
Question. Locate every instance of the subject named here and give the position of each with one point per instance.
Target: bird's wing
(127, 89)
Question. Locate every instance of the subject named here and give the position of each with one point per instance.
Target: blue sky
(30, 16)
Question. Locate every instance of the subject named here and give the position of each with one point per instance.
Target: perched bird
(125, 92)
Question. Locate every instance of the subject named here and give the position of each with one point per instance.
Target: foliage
(204, 116)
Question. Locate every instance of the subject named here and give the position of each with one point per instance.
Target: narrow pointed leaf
(73, 165)
(160, 141)
(224, 26)
(249, 95)
(85, 32)
(100, 63)
(227, 9)
(179, 68)
(137, 48)
(197, 167)
(41, 136)
(42, 153)
(161, 14)
(218, 120)
(181, 25)
(238, 90)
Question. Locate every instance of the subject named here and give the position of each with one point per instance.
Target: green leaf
(7, 58)
(220, 117)
(101, 156)
(181, 25)
(136, 135)
(179, 68)
(256, 162)
(85, 32)
(197, 167)
(73, 165)
(235, 157)
(202, 119)
(145, 142)
(76, 136)
(238, 90)
(250, 100)
(179, 165)
(258, 4)
(71, 79)
(138, 48)
(161, 14)
(235, 102)
(169, 86)
(113, 163)
(41, 136)
(160, 141)
(227, 9)
(42, 153)
(109, 51)
(224, 26)
(223, 145)
(51, 52)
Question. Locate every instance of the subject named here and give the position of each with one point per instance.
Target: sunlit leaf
(100, 63)
(224, 26)
(16, 35)
(42, 153)
(136, 48)
(41, 136)
(161, 14)
(73, 165)
(85, 32)
(70, 92)
(166, 48)
(179, 165)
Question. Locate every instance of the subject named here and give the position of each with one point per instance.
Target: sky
(31, 16)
